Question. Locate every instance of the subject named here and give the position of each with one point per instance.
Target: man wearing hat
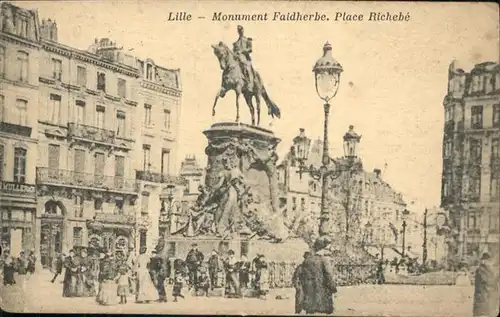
(232, 276)
(486, 294)
(317, 280)
(299, 292)
(193, 262)
(242, 48)
(157, 271)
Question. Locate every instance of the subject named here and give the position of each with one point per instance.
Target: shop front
(52, 229)
(17, 208)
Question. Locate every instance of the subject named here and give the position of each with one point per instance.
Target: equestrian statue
(239, 75)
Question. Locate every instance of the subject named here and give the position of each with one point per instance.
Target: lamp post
(404, 233)
(327, 79)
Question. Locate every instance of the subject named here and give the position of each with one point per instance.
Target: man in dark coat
(486, 299)
(213, 269)
(317, 280)
(58, 266)
(299, 292)
(158, 274)
(193, 262)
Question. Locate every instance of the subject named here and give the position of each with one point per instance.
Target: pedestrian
(299, 291)
(146, 290)
(213, 269)
(194, 259)
(108, 274)
(31, 262)
(262, 276)
(486, 295)
(123, 287)
(9, 268)
(178, 283)
(203, 281)
(232, 276)
(157, 271)
(244, 272)
(22, 268)
(58, 266)
(317, 280)
(131, 270)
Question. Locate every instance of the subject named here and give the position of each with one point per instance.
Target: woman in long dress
(146, 291)
(107, 288)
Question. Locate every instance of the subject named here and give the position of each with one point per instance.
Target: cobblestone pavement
(367, 300)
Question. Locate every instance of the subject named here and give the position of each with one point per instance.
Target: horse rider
(242, 48)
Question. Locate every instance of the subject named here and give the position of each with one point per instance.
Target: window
(55, 108)
(100, 119)
(143, 234)
(145, 203)
(496, 115)
(294, 203)
(475, 151)
(149, 72)
(22, 64)
(99, 168)
(22, 26)
(471, 220)
(80, 112)
(165, 162)
(98, 203)
(20, 165)
(447, 186)
(81, 76)
(120, 123)
(477, 117)
(495, 151)
(56, 69)
(166, 119)
(495, 185)
(119, 170)
(2, 61)
(22, 112)
(79, 165)
(497, 81)
(54, 156)
(78, 200)
(122, 88)
(448, 145)
(147, 114)
(2, 160)
(475, 183)
(119, 205)
(494, 224)
(448, 114)
(101, 82)
(302, 204)
(77, 236)
(2, 108)
(146, 157)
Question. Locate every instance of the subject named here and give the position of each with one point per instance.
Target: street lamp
(327, 79)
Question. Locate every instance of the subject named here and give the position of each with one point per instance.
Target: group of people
(23, 266)
(232, 274)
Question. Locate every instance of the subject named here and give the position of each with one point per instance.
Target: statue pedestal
(251, 151)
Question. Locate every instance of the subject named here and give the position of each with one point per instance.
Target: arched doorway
(51, 233)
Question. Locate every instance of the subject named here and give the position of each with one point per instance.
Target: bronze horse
(233, 79)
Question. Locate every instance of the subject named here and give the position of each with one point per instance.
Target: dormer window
(149, 71)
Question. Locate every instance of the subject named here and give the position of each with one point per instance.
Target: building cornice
(160, 88)
(12, 38)
(89, 58)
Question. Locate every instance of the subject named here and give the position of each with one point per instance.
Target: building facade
(76, 164)
(19, 54)
(375, 210)
(470, 192)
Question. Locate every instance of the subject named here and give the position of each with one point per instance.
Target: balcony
(15, 129)
(118, 218)
(159, 178)
(72, 178)
(17, 189)
(92, 134)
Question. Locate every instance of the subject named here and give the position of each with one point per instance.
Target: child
(203, 281)
(178, 281)
(123, 285)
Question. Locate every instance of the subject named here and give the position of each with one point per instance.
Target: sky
(391, 90)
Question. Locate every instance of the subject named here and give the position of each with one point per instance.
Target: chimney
(302, 132)
(377, 172)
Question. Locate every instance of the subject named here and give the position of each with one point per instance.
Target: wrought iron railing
(67, 177)
(12, 128)
(281, 273)
(121, 218)
(159, 178)
(91, 133)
